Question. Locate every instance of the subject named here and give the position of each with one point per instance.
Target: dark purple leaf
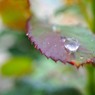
(68, 44)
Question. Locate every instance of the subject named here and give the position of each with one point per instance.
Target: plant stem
(93, 11)
(90, 87)
(85, 13)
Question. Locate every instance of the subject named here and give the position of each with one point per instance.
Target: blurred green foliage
(17, 67)
(25, 59)
(24, 88)
(23, 47)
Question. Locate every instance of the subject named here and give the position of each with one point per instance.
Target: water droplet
(71, 44)
(63, 39)
(81, 57)
(27, 34)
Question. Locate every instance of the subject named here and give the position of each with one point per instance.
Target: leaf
(66, 8)
(17, 66)
(15, 13)
(63, 9)
(50, 42)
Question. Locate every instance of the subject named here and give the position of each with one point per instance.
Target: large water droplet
(63, 39)
(71, 44)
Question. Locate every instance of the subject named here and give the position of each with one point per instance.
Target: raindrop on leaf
(71, 44)
(63, 39)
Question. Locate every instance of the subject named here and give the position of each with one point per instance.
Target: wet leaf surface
(52, 42)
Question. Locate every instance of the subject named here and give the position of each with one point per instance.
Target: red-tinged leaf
(15, 13)
(51, 41)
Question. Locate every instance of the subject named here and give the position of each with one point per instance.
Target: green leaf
(17, 66)
(64, 9)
